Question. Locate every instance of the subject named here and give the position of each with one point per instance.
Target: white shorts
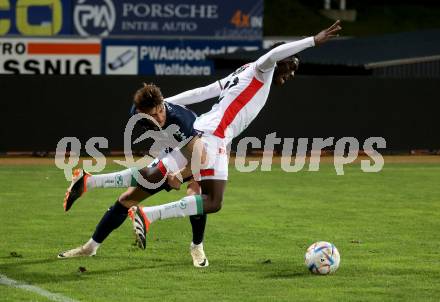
(216, 166)
(173, 161)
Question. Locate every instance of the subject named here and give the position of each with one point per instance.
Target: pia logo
(182, 205)
(94, 17)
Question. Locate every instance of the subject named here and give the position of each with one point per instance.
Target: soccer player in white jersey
(163, 114)
(241, 97)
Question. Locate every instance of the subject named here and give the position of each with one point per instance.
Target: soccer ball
(322, 258)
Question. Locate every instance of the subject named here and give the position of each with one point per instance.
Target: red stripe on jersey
(236, 105)
(162, 168)
(207, 172)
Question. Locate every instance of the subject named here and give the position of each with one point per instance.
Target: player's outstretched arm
(267, 61)
(196, 95)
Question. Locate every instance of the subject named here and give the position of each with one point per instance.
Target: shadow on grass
(288, 274)
(20, 261)
(61, 273)
(297, 271)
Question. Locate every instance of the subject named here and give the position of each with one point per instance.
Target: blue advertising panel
(218, 18)
(34, 18)
(172, 57)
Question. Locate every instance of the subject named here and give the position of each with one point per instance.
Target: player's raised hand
(328, 33)
(174, 181)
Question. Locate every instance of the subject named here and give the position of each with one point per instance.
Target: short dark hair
(148, 97)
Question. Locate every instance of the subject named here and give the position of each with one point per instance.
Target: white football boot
(77, 252)
(198, 255)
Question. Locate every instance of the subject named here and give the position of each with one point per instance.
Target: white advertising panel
(50, 56)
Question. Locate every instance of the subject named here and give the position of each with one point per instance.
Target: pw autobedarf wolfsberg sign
(166, 57)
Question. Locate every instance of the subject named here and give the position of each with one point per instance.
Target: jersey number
(230, 85)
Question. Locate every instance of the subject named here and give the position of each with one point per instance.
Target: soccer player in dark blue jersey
(219, 127)
(148, 100)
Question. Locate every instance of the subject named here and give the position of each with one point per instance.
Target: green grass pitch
(386, 226)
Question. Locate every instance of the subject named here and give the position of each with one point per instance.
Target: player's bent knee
(129, 203)
(152, 174)
(126, 200)
(215, 205)
(219, 206)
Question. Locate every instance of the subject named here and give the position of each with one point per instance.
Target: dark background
(37, 111)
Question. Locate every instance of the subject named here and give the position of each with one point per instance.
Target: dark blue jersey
(177, 115)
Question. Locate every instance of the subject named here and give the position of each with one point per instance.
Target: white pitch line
(35, 289)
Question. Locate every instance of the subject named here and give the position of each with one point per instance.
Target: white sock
(187, 206)
(92, 245)
(121, 179)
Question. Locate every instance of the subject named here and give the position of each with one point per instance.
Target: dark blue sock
(111, 220)
(198, 223)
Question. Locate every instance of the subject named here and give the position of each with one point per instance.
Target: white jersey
(242, 94)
